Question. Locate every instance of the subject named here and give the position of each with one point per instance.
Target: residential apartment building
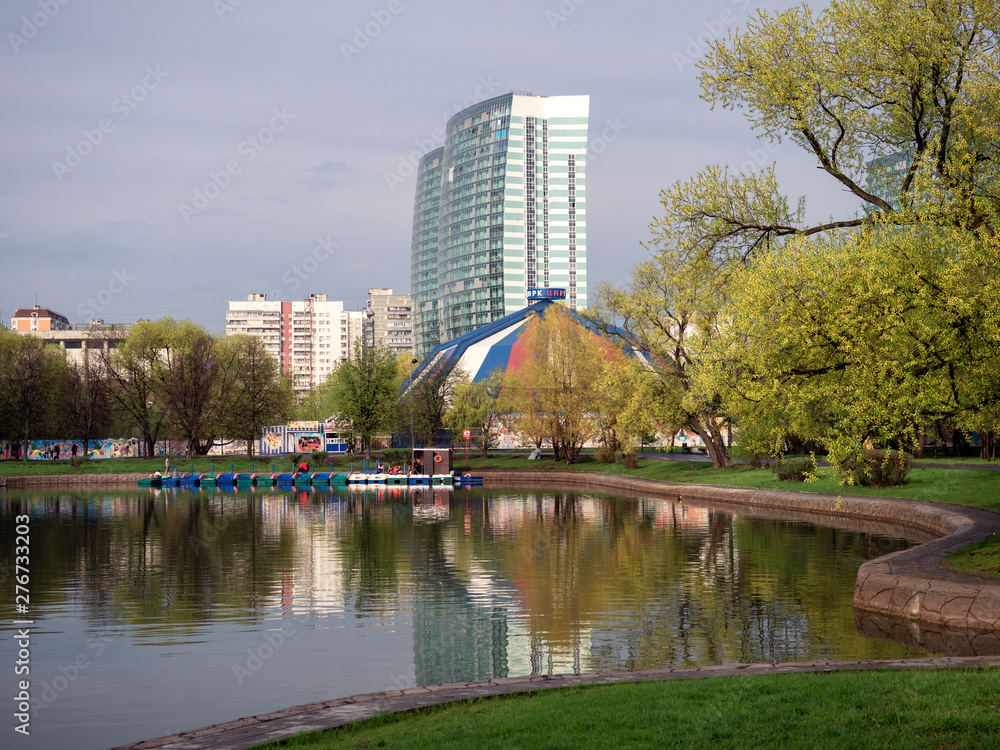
(308, 337)
(77, 340)
(34, 319)
(500, 209)
(389, 320)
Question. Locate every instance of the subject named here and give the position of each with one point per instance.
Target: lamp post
(413, 361)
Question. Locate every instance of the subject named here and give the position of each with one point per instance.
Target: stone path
(311, 717)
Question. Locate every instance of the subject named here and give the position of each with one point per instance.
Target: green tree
(32, 376)
(134, 366)
(554, 390)
(671, 310)
(481, 407)
(258, 395)
(426, 404)
(629, 402)
(911, 85)
(363, 393)
(196, 380)
(870, 340)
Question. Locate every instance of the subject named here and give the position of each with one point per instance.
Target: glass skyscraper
(500, 209)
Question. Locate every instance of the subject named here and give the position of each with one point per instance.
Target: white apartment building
(308, 337)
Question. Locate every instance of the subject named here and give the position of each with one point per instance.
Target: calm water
(156, 611)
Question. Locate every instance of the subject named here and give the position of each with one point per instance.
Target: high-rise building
(309, 337)
(424, 252)
(507, 193)
(389, 320)
(884, 178)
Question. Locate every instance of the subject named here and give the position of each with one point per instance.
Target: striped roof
(495, 346)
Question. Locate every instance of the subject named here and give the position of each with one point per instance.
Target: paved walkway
(311, 717)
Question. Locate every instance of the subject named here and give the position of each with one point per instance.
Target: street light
(412, 446)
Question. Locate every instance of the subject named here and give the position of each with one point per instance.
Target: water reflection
(210, 605)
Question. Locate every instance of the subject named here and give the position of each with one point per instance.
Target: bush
(320, 458)
(605, 455)
(77, 462)
(295, 458)
(793, 469)
(396, 456)
(878, 468)
(628, 460)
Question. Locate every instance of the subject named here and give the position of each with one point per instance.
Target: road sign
(466, 433)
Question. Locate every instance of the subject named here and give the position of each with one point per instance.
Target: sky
(162, 158)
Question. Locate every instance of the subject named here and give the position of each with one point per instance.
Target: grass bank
(886, 709)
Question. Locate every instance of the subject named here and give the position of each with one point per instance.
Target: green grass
(968, 487)
(981, 557)
(886, 709)
(202, 465)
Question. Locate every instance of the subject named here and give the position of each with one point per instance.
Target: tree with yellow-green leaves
(863, 327)
(481, 407)
(555, 388)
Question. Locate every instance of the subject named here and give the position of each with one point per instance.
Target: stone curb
(312, 717)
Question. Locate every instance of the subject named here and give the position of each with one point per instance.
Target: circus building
(497, 345)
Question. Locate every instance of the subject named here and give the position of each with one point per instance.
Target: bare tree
(87, 408)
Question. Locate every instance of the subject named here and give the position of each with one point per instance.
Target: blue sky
(162, 158)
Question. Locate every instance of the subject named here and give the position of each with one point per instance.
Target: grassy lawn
(202, 465)
(904, 709)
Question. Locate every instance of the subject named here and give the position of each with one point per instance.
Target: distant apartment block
(389, 320)
(77, 340)
(33, 319)
(308, 337)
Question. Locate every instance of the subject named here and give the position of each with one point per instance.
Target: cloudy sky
(161, 158)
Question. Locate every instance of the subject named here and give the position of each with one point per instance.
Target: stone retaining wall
(912, 585)
(63, 481)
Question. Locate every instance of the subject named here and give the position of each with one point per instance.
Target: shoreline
(911, 591)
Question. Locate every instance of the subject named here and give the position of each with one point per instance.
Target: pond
(158, 611)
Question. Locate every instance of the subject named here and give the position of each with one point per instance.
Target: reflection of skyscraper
(507, 193)
(455, 639)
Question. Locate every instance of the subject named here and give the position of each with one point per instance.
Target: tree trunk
(710, 434)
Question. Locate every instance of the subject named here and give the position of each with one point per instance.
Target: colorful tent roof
(492, 347)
